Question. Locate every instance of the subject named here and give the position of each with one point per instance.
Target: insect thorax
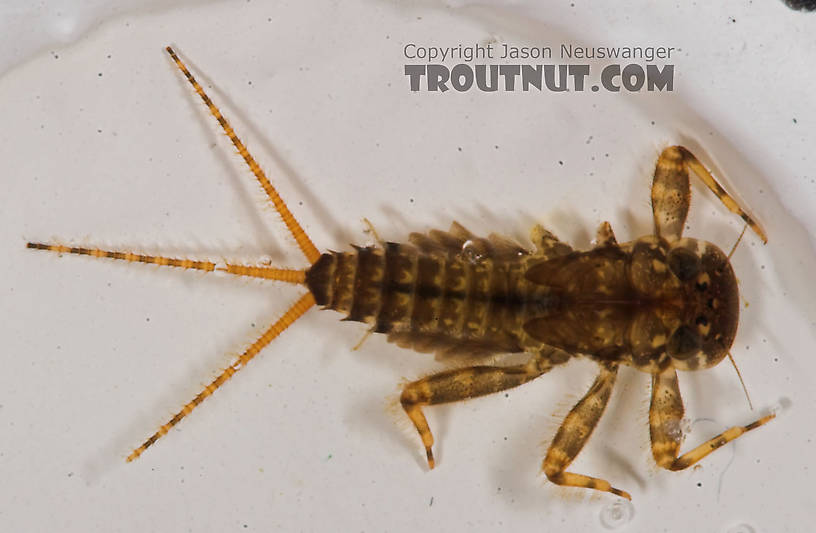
(648, 303)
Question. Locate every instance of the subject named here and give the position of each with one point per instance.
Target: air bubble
(474, 252)
(740, 528)
(783, 404)
(220, 268)
(617, 514)
(676, 430)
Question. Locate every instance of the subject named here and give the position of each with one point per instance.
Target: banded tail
(295, 311)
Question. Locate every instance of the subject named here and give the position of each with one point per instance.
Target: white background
(102, 142)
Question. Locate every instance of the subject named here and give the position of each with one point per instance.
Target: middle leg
(574, 434)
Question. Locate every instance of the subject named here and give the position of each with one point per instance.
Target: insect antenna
(734, 248)
(730, 357)
(739, 375)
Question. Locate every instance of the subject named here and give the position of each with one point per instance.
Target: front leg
(471, 382)
(574, 433)
(665, 415)
(671, 194)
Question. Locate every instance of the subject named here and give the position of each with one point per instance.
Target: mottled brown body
(660, 303)
(614, 303)
(431, 299)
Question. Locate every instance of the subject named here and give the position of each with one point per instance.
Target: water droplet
(617, 514)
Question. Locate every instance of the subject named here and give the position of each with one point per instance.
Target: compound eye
(683, 263)
(683, 343)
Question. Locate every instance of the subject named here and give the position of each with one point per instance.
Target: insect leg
(605, 236)
(279, 274)
(665, 415)
(574, 433)
(546, 243)
(470, 382)
(671, 194)
(703, 173)
(296, 311)
(304, 243)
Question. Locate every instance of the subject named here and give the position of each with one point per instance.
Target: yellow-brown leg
(665, 417)
(304, 243)
(471, 382)
(574, 433)
(278, 274)
(296, 311)
(671, 194)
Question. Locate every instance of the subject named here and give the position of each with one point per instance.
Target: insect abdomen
(427, 298)
(351, 283)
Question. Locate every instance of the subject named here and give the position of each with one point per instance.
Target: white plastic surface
(102, 142)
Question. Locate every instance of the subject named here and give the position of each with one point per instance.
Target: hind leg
(471, 382)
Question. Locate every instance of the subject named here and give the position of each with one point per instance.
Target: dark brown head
(709, 322)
